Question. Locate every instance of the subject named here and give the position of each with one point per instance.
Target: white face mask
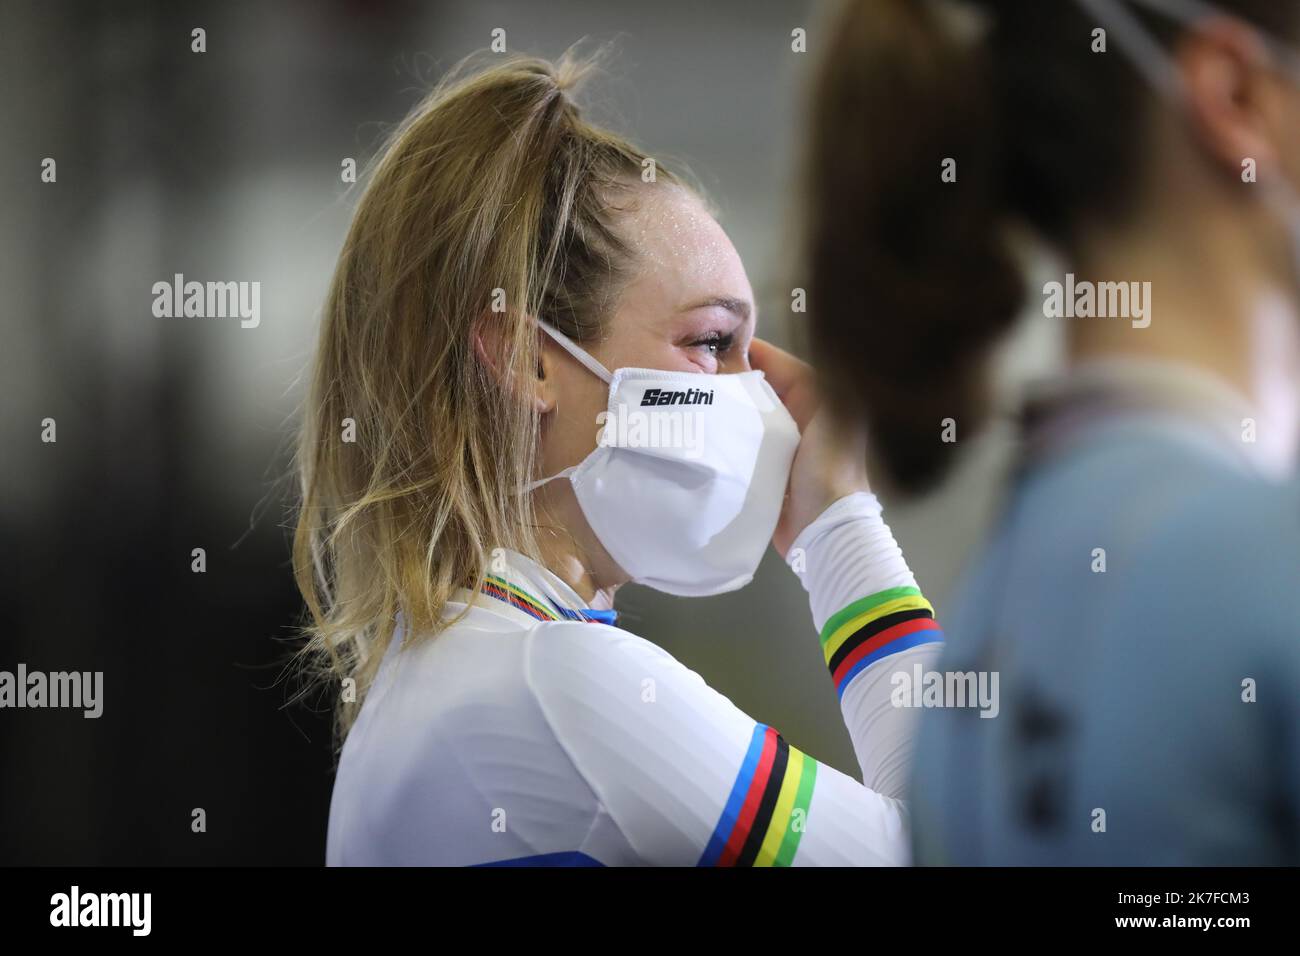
(686, 484)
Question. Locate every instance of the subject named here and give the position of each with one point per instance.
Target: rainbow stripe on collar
(501, 589)
(874, 627)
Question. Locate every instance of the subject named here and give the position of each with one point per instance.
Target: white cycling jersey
(526, 734)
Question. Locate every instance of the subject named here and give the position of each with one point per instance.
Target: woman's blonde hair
(490, 204)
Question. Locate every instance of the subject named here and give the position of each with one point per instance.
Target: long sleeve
(688, 778)
(874, 623)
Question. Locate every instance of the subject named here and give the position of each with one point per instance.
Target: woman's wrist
(845, 507)
(848, 552)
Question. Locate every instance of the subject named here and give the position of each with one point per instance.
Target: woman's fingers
(792, 380)
(781, 368)
(829, 463)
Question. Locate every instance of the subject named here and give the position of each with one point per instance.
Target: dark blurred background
(173, 433)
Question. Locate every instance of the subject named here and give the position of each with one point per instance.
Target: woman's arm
(867, 608)
(689, 778)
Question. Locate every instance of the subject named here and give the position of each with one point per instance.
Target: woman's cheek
(701, 360)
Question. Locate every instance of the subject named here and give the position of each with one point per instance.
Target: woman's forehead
(681, 249)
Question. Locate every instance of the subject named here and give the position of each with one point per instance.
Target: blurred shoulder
(1228, 552)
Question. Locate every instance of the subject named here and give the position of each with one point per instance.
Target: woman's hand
(829, 462)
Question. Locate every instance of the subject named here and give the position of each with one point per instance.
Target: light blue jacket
(1149, 713)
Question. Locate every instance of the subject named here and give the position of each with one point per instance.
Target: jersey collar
(518, 587)
(1095, 391)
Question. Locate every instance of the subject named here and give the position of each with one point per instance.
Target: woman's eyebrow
(739, 307)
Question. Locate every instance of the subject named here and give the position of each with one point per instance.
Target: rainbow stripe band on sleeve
(874, 627)
(767, 811)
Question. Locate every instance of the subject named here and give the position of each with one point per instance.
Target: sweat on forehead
(668, 226)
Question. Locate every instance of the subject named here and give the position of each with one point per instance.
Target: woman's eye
(716, 342)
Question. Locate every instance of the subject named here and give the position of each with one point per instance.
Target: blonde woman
(546, 364)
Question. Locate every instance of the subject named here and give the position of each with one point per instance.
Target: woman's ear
(1229, 83)
(491, 346)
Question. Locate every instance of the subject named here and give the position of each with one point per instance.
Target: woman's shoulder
(607, 689)
(454, 763)
(582, 654)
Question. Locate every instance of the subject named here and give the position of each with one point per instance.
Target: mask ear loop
(541, 481)
(1146, 55)
(577, 352)
(1188, 12)
(591, 365)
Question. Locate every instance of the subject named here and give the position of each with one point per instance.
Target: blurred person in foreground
(1139, 597)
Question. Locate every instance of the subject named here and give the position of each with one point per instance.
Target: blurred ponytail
(912, 282)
